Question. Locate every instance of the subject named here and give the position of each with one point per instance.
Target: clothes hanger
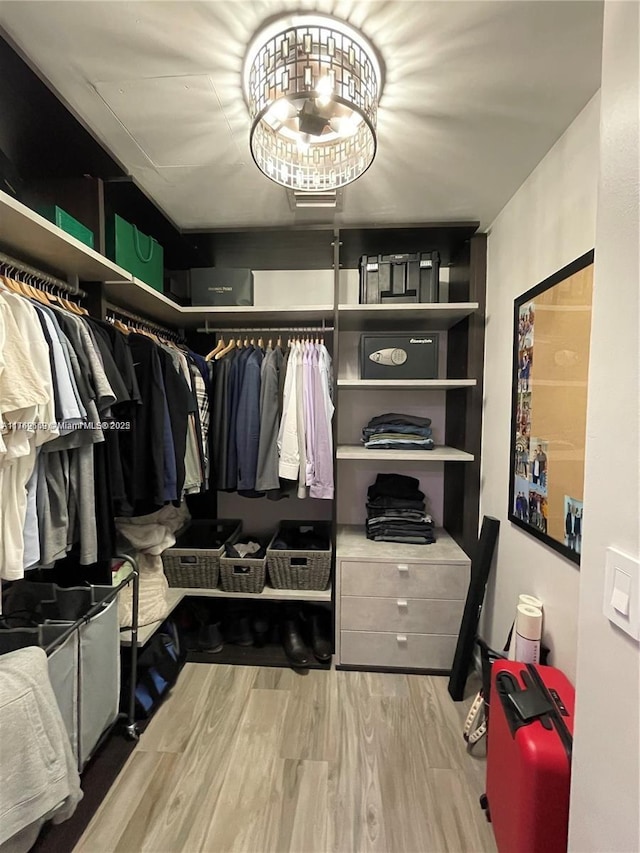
(56, 298)
(121, 326)
(17, 286)
(72, 307)
(82, 312)
(218, 348)
(36, 294)
(230, 346)
(279, 342)
(12, 285)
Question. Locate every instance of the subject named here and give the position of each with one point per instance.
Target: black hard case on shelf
(411, 355)
(390, 279)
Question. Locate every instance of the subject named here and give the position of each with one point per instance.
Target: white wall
(605, 802)
(547, 224)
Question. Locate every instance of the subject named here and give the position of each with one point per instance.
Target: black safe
(412, 355)
(399, 278)
(220, 286)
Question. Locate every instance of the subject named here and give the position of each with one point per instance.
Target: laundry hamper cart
(80, 633)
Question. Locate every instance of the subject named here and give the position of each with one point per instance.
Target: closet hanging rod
(136, 318)
(42, 277)
(213, 330)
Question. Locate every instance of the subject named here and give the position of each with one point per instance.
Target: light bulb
(324, 90)
(280, 111)
(348, 125)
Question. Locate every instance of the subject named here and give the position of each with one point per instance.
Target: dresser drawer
(404, 580)
(410, 651)
(413, 615)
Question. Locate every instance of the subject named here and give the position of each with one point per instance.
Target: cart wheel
(132, 731)
(484, 802)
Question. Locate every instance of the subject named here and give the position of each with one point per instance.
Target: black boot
(210, 638)
(292, 641)
(320, 623)
(261, 630)
(239, 630)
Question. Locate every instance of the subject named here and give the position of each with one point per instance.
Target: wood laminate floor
(259, 760)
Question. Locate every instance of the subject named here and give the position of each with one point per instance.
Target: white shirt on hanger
(288, 445)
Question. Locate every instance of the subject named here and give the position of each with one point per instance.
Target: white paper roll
(531, 600)
(529, 622)
(526, 601)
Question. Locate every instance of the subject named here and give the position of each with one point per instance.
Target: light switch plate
(621, 603)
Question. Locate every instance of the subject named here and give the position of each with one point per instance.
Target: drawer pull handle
(403, 568)
(402, 639)
(403, 604)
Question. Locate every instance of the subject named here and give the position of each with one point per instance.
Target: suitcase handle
(506, 684)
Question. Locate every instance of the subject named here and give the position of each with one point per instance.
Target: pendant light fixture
(312, 85)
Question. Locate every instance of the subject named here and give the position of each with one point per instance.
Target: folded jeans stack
(398, 432)
(396, 511)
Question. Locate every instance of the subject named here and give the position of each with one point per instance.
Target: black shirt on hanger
(146, 439)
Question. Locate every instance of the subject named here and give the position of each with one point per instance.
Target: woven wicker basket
(242, 574)
(190, 564)
(300, 569)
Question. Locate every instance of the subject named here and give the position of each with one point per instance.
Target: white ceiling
(476, 93)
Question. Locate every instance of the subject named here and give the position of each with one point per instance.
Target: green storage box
(141, 255)
(67, 222)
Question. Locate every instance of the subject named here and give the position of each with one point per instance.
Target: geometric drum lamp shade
(312, 85)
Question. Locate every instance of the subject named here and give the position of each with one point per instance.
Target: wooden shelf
(352, 543)
(138, 297)
(142, 299)
(33, 239)
(177, 594)
(252, 315)
(423, 316)
(403, 384)
(441, 453)
(267, 594)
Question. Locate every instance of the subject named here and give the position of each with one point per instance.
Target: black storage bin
(411, 355)
(395, 279)
(220, 286)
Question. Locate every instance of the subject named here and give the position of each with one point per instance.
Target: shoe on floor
(239, 631)
(293, 642)
(210, 638)
(261, 630)
(320, 630)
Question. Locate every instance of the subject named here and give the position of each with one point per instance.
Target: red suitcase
(529, 757)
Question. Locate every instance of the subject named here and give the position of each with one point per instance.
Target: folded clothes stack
(398, 432)
(396, 511)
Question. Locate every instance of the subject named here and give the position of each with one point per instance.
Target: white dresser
(398, 606)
